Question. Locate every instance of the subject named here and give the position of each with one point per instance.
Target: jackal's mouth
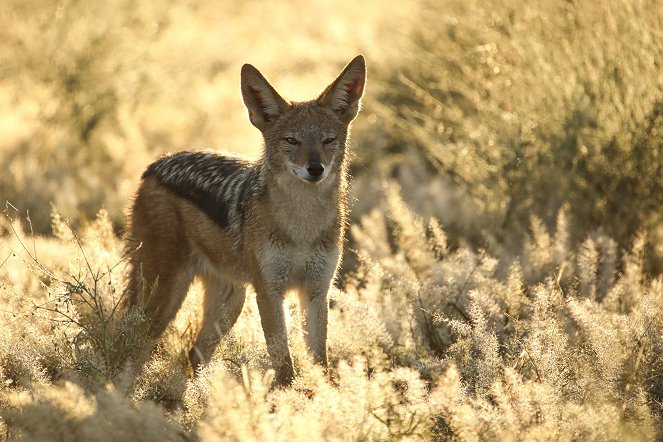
(313, 179)
(307, 177)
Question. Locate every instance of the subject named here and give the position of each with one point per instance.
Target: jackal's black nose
(315, 169)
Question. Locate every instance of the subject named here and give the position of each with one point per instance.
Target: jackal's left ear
(343, 96)
(265, 105)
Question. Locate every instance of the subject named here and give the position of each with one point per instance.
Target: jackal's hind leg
(159, 295)
(222, 306)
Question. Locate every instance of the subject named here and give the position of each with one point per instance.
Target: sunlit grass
(502, 274)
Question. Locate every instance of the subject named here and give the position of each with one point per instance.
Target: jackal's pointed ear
(265, 105)
(343, 96)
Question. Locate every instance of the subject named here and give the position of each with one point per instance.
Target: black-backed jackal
(276, 223)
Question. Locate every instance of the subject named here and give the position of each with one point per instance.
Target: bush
(532, 108)
(425, 341)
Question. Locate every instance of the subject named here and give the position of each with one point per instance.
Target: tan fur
(287, 236)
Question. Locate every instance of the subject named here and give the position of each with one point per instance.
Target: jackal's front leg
(272, 317)
(314, 302)
(314, 306)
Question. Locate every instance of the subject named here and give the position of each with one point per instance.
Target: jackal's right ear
(265, 105)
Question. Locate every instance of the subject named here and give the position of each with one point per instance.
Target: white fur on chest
(303, 211)
(287, 266)
(297, 253)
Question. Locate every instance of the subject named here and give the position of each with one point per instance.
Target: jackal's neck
(304, 210)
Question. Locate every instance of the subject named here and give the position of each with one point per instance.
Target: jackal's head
(305, 140)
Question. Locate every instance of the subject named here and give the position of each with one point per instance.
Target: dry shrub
(67, 412)
(75, 318)
(426, 341)
(527, 108)
(532, 347)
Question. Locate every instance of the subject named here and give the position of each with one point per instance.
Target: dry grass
(502, 278)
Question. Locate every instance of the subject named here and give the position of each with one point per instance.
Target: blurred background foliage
(492, 116)
(529, 108)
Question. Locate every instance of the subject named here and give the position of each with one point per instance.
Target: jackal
(276, 223)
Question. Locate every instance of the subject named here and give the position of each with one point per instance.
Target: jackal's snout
(315, 169)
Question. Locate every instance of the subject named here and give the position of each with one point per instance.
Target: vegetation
(503, 275)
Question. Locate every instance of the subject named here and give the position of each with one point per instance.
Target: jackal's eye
(291, 140)
(329, 140)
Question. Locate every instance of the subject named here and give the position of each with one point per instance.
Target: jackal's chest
(305, 223)
(285, 265)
